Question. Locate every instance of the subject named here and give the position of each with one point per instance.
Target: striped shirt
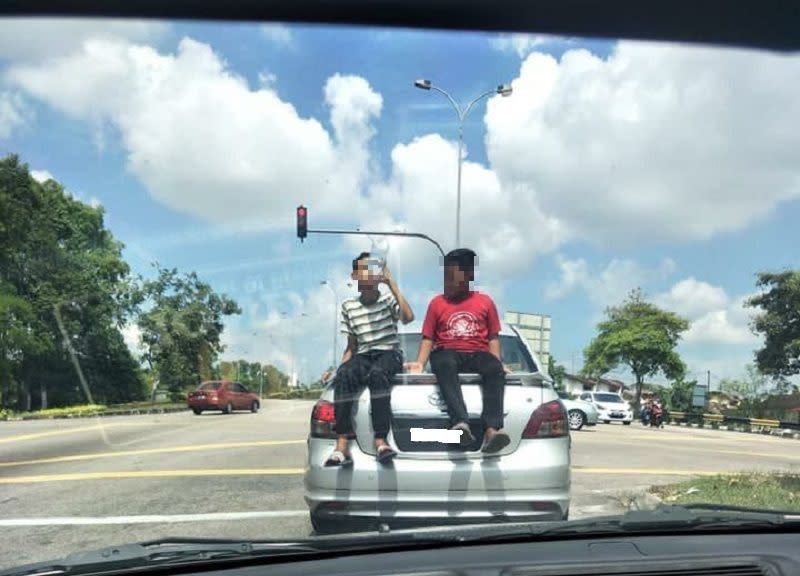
(373, 325)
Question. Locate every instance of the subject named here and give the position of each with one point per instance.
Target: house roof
(594, 381)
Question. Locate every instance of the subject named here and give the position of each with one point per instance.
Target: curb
(778, 432)
(132, 412)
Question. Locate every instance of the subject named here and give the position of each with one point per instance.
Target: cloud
(609, 286)
(14, 113)
(524, 44)
(41, 176)
(33, 39)
(279, 34)
(250, 160)
(655, 143)
(503, 225)
(715, 317)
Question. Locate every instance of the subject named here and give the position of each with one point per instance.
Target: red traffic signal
(302, 222)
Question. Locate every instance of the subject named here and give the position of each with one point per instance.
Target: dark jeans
(375, 370)
(447, 364)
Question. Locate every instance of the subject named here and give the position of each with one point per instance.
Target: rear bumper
(532, 483)
(606, 415)
(204, 405)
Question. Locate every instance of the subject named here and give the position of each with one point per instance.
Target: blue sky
(613, 165)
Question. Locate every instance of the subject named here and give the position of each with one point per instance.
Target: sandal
(338, 460)
(467, 437)
(385, 454)
(496, 443)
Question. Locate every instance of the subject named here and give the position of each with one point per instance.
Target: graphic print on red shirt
(464, 325)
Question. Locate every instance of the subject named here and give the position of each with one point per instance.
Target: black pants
(375, 370)
(447, 364)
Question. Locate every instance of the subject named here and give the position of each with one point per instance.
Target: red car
(223, 395)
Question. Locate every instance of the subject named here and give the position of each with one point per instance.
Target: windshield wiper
(159, 553)
(664, 518)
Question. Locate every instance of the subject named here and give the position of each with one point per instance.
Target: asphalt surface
(70, 485)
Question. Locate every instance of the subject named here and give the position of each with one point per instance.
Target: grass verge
(777, 491)
(89, 410)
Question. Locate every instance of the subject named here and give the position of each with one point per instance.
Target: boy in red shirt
(461, 334)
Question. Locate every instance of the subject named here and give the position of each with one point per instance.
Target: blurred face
(455, 279)
(367, 279)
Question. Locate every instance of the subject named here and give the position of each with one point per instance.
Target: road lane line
(122, 475)
(145, 451)
(647, 471)
(148, 519)
(713, 449)
(98, 426)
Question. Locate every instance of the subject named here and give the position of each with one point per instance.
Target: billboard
(535, 328)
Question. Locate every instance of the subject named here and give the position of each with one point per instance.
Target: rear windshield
(607, 398)
(514, 354)
(210, 386)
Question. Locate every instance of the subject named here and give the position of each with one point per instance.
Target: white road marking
(147, 519)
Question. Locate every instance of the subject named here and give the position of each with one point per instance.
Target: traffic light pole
(400, 234)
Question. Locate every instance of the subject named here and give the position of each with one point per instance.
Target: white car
(611, 407)
(434, 483)
(579, 412)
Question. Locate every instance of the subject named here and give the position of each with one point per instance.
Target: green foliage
(778, 321)
(253, 375)
(63, 296)
(751, 386)
(641, 336)
(181, 324)
(557, 373)
(679, 396)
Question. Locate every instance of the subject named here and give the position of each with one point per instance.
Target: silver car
(436, 483)
(579, 413)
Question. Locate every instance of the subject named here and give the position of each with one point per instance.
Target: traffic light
(302, 222)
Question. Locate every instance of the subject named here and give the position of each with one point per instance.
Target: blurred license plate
(616, 414)
(435, 435)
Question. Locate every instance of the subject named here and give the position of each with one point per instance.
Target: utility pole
(708, 380)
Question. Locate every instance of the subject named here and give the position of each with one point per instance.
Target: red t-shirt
(463, 325)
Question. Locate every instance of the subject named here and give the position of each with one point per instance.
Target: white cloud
(32, 39)
(202, 141)
(41, 176)
(715, 317)
(133, 339)
(658, 142)
(609, 286)
(278, 34)
(524, 44)
(14, 113)
(503, 225)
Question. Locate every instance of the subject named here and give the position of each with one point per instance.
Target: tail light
(323, 420)
(548, 421)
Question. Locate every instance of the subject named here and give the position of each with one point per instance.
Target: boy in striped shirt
(372, 357)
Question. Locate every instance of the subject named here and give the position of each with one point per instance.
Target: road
(67, 485)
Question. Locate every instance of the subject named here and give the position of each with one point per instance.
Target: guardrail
(756, 423)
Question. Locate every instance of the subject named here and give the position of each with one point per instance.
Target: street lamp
(335, 310)
(503, 90)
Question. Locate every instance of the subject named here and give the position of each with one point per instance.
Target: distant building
(535, 328)
(575, 384)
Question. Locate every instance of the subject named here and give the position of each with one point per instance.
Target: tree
(557, 373)
(752, 386)
(778, 321)
(641, 336)
(63, 297)
(679, 396)
(181, 325)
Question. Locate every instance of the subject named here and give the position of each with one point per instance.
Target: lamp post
(504, 90)
(335, 310)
